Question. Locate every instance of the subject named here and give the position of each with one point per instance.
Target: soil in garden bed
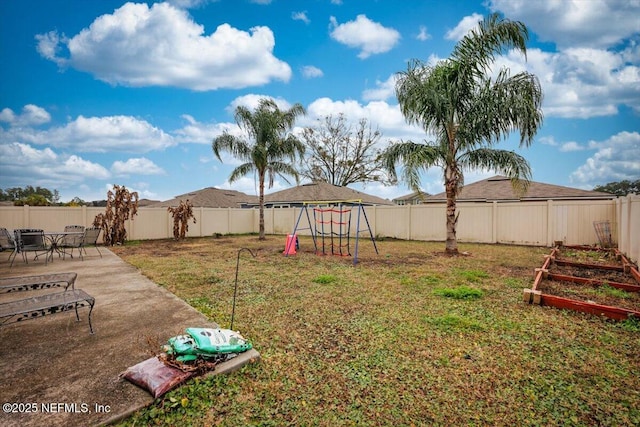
(586, 256)
(604, 295)
(593, 273)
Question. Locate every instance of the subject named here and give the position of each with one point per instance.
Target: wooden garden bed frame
(536, 296)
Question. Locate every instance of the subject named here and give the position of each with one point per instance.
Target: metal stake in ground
(235, 289)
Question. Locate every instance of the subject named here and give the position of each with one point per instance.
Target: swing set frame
(324, 231)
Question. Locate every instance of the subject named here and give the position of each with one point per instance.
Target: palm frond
(231, 144)
(282, 169)
(240, 171)
(510, 103)
(493, 36)
(505, 162)
(414, 158)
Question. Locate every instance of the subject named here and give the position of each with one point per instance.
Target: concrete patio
(55, 360)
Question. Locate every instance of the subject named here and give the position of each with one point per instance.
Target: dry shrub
(181, 216)
(121, 205)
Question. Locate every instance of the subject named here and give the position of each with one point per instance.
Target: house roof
(210, 197)
(415, 195)
(321, 191)
(147, 202)
(499, 188)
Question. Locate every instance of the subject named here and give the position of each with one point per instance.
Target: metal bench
(42, 305)
(32, 283)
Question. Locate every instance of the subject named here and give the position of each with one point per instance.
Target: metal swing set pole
(314, 230)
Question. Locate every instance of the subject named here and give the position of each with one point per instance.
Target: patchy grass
(374, 344)
(461, 292)
(613, 292)
(325, 279)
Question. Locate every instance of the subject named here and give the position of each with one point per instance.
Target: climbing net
(332, 226)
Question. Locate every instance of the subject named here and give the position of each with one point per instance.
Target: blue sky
(96, 93)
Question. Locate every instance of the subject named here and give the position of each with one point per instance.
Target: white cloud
(580, 82)
(96, 134)
(23, 155)
(163, 46)
(368, 36)
(45, 167)
(548, 140)
(252, 100)
(300, 16)
(32, 115)
(571, 146)
(616, 159)
(387, 118)
(195, 132)
(137, 166)
(423, 34)
(142, 188)
(464, 26)
(592, 23)
(189, 4)
(309, 71)
(383, 91)
(83, 168)
(49, 46)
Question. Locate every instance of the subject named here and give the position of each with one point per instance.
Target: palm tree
(469, 112)
(270, 146)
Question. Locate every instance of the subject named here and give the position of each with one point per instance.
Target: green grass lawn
(406, 337)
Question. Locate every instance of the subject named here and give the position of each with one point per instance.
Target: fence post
(550, 223)
(409, 225)
(619, 225)
(494, 222)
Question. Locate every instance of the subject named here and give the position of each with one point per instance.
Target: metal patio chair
(31, 240)
(91, 235)
(69, 242)
(8, 243)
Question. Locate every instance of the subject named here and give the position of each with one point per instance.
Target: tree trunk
(261, 221)
(451, 187)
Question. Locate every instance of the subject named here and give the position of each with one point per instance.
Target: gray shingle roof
(498, 188)
(211, 197)
(419, 195)
(321, 191)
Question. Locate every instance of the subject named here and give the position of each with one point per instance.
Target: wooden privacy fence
(538, 223)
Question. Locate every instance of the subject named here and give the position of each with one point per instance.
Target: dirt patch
(601, 275)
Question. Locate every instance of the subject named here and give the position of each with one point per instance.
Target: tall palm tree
(271, 149)
(469, 111)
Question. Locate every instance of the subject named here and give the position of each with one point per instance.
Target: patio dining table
(56, 239)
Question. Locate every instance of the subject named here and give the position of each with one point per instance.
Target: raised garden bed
(588, 279)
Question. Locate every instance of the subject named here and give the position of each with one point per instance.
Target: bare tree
(341, 155)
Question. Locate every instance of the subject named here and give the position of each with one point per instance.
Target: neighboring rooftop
(414, 198)
(211, 197)
(320, 191)
(499, 188)
(147, 202)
